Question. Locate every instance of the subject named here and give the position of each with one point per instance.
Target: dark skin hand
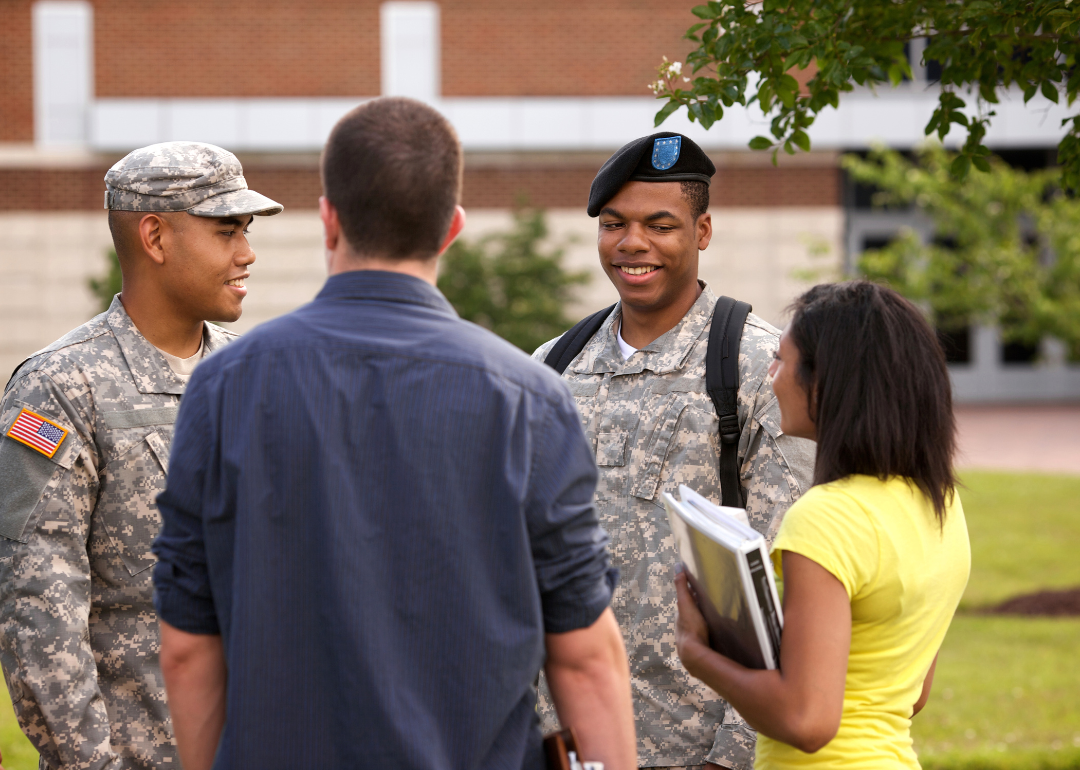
(800, 703)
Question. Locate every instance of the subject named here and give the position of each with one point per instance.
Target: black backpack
(721, 378)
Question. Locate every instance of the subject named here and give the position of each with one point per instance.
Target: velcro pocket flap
(584, 388)
(141, 418)
(768, 417)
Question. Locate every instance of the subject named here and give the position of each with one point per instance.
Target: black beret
(663, 157)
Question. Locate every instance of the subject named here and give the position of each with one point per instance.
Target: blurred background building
(540, 94)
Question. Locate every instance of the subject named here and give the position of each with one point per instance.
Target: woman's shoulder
(851, 494)
(837, 505)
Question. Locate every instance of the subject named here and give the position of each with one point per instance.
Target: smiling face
(649, 242)
(206, 265)
(791, 396)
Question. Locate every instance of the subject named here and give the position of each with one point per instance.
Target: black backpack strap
(722, 383)
(573, 342)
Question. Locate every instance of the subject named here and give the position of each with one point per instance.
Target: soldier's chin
(227, 315)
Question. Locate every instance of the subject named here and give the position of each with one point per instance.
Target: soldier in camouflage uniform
(86, 426)
(645, 409)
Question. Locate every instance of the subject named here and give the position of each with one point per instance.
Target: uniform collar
(384, 286)
(667, 353)
(149, 369)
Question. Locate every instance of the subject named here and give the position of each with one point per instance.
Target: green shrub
(105, 287)
(511, 283)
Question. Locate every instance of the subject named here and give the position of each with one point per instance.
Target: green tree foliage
(106, 286)
(983, 46)
(1007, 248)
(511, 282)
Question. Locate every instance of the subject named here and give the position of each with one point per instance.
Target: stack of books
(728, 567)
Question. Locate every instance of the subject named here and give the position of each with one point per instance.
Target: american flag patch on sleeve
(37, 432)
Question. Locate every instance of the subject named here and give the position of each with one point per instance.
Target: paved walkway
(1020, 438)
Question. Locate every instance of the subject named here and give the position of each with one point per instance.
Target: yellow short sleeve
(830, 528)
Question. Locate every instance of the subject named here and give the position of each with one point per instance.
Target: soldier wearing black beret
(639, 383)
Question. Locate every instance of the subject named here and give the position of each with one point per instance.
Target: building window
(1018, 353)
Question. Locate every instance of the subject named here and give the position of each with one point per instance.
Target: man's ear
(151, 230)
(704, 231)
(331, 224)
(457, 224)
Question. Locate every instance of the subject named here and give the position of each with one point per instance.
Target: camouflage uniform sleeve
(541, 352)
(776, 468)
(45, 516)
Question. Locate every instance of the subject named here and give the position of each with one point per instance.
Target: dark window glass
(1029, 159)
(1018, 353)
(956, 342)
(875, 242)
(860, 196)
(933, 70)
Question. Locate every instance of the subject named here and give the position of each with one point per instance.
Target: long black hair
(878, 388)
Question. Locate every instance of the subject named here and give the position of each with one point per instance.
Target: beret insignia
(665, 152)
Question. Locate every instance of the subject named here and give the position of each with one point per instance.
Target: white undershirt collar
(624, 347)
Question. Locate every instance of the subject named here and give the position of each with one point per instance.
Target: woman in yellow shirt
(874, 556)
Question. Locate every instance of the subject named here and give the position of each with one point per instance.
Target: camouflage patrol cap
(198, 178)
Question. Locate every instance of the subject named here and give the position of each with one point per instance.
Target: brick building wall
(330, 48)
(16, 72)
(489, 184)
(208, 48)
(559, 47)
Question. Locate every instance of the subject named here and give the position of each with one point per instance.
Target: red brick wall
(559, 47)
(252, 48)
(16, 72)
(769, 186)
(210, 48)
(488, 186)
(331, 47)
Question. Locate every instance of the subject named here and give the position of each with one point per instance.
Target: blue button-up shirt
(381, 509)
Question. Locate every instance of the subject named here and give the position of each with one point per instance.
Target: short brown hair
(879, 390)
(392, 168)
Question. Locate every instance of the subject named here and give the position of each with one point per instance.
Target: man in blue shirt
(378, 524)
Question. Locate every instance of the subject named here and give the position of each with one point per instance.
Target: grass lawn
(1007, 690)
(1025, 528)
(18, 753)
(1004, 686)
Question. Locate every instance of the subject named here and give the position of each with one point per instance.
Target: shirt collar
(149, 369)
(384, 286)
(667, 353)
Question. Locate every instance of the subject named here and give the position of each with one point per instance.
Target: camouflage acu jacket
(653, 427)
(78, 634)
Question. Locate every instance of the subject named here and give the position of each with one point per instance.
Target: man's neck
(642, 326)
(347, 262)
(176, 335)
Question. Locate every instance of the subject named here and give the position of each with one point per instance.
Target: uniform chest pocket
(611, 448)
(129, 500)
(650, 462)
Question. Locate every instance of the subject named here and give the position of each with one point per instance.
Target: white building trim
(63, 46)
(521, 124)
(410, 53)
